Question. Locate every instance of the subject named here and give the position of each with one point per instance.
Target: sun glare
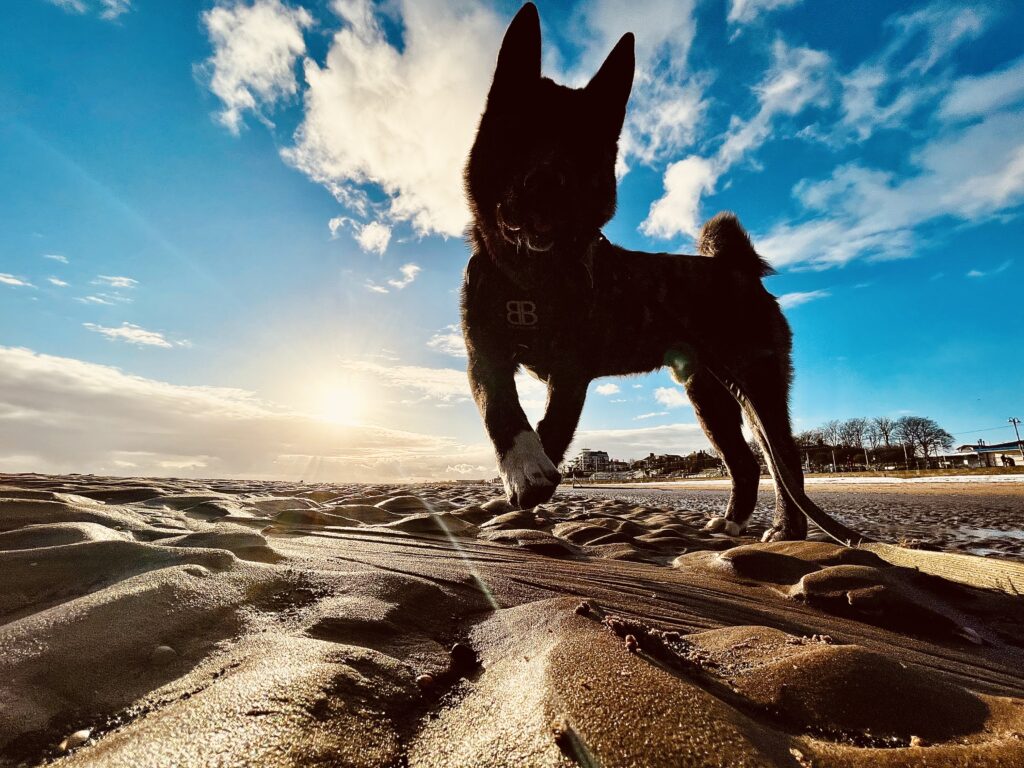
(341, 404)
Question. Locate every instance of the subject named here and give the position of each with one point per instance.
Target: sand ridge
(172, 622)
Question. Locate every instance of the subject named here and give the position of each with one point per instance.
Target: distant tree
(809, 438)
(882, 427)
(831, 432)
(853, 432)
(922, 434)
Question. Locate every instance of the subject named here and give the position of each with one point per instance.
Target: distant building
(982, 454)
(591, 461)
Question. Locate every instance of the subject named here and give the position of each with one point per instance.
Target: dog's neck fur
(527, 269)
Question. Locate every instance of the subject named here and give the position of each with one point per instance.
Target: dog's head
(541, 174)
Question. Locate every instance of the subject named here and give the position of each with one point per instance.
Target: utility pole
(1015, 421)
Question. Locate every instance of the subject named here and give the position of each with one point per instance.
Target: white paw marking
(525, 466)
(721, 525)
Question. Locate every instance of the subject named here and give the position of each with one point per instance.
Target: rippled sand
(171, 623)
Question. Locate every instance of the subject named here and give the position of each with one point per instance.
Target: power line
(972, 431)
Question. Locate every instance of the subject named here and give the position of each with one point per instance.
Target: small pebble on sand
(76, 739)
(631, 643)
(425, 681)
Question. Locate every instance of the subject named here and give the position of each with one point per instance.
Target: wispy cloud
(795, 299)
(134, 334)
(56, 257)
(115, 281)
(18, 282)
(93, 299)
(651, 415)
(445, 384)
(746, 11)
(408, 275)
(972, 174)
(448, 341)
(995, 271)
(255, 50)
(607, 389)
(108, 9)
(67, 415)
(798, 78)
(57, 281)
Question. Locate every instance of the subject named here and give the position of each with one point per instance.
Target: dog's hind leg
(766, 383)
(720, 417)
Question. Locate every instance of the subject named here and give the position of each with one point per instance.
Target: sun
(341, 404)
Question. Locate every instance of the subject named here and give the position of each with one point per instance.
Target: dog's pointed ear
(611, 85)
(519, 57)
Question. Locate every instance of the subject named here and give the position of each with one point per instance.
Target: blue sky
(230, 232)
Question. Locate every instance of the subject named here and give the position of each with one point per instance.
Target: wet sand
(981, 518)
(171, 622)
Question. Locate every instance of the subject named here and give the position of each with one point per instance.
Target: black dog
(545, 290)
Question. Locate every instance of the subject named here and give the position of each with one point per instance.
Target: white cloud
(795, 299)
(57, 281)
(108, 9)
(255, 49)
(115, 281)
(444, 384)
(374, 237)
(667, 103)
(409, 272)
(975, 96)
(56, 257)
(746, 11)
(936, 30)
(71, 6)
(95, 300)
(797, 79)
(66, 415)
(400, 116)
(650, 415)
(670, 397)
(448, 341)
(678, 210)
(7, 279)
(134, 334)
(114, 8)
(995, 271)
(971, 174)
(607, 389)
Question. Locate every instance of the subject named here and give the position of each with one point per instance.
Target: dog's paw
(528, 474)
(722, 525)
(775, 533)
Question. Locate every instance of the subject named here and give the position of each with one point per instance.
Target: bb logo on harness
(521, 313)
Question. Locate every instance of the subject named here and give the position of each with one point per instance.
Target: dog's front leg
(529, 476)
(565, 403)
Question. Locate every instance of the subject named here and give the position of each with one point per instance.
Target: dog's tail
(724, 238)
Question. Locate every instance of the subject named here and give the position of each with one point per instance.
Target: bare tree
(853, 432)
(831, 432)
(883, 426)
(809, 438)
(922, 434)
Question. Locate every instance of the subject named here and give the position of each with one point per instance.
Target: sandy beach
(175, 622)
